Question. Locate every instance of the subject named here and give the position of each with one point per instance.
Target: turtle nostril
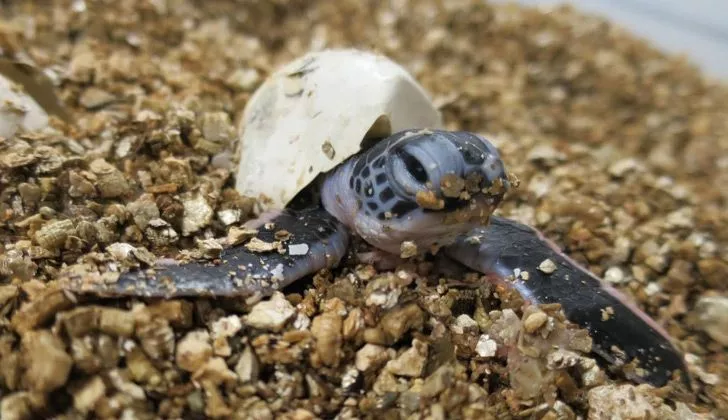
(413, 166)
(472, 154)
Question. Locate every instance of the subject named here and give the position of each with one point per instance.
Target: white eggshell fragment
(314, 112)
(18, 111)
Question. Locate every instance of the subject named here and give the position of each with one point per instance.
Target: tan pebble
(607, 313)
(609, 401)
(547, 266)
(238, 235)
(257, 245)
(48, 365)
(712, 314)
(411, 362)
(222, 329)
(193, 350)
(111, 182)
(353, 323)
(441, 379)
(53, 234)
(141, 368)
(386, 382)
(125, 386)
(177, 312)
(215, 406)
(197, 214)
(452, 185)
(394, 324)
(157, 339)
(407, 249)
(535, 321)
(216, 128)
(88, 395)
(248, 367)
(93, 98)
(80, 321)
(116, 322)
(326, 329)
(22, 405)
(160, 232)
(464, 323)
(299, 414)
(372, 356)
(428, 200)
(214, 371)
(271, 314)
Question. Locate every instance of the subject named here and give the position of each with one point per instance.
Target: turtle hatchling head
(423, 186)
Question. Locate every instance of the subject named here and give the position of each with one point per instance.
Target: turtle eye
(413, 166)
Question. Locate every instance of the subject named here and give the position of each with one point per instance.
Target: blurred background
(696, 28)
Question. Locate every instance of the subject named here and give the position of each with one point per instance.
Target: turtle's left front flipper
(317, 240)
(620, 331)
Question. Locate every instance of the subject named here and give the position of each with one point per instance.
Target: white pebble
(486, 346)
(614, 275)
(713, 316)
(271, 314)
(298, 249)
(547, 266)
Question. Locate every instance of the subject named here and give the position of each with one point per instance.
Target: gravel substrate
(622, 154)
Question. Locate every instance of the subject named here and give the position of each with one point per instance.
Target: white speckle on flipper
(298, 249)
(277, 273)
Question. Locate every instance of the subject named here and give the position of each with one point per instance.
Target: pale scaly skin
(378, 195)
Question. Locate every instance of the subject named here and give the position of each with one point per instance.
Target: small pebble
(486, 346)
(535, 321)
(271, 314)
(193, 350)
(713, 317)
(411, 362)
(298, 249)
(547, 266)
(614, 275)
(372, 356)
(408, 249)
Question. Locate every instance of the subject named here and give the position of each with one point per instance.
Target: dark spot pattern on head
(380, 179)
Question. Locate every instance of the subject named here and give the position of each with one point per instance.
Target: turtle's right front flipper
(620, 331)
(317, 240)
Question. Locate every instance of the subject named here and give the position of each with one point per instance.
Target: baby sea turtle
(428, 188)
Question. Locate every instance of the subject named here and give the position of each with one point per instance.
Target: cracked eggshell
(315, 112)
(18, 110)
